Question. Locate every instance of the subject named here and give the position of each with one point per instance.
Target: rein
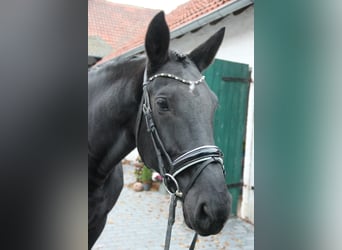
(203, 155)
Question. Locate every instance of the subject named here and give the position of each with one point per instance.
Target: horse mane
(122, 60)
(118, 62)
(121, 67)
(178, 55)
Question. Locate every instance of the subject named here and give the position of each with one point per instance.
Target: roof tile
(180, 16)
(116, 24)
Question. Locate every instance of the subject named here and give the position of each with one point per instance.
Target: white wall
(247, 206)
(132, 156)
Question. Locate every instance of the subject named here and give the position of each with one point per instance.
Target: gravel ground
(139, 220)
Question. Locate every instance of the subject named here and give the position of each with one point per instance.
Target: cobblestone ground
(139, 220)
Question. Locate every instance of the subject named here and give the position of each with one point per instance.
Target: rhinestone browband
(171, 76)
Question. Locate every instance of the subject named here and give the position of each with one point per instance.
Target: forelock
(178, 56)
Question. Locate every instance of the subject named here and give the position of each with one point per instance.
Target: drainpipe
(225, 10)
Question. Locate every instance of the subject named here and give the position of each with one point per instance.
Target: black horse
(162, 105)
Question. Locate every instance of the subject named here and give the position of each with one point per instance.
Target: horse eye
(162, 104)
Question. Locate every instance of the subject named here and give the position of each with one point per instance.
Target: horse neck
(113, 114)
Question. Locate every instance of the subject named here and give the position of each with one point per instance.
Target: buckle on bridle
(169, 180)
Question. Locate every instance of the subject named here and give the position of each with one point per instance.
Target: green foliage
(146, 174)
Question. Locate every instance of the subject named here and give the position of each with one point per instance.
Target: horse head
(179, 108)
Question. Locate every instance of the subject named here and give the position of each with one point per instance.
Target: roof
(98, 47)
(112, 25)
(192, 10)
(182, 15)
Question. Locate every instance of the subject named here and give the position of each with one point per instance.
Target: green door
(230, 82)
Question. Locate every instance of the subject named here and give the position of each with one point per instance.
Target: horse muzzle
(207, 205)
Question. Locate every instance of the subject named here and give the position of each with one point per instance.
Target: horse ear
(204, 54)
(157, 40)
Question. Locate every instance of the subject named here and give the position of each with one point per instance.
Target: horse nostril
(204, 211)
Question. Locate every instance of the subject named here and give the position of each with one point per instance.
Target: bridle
(201, 156)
